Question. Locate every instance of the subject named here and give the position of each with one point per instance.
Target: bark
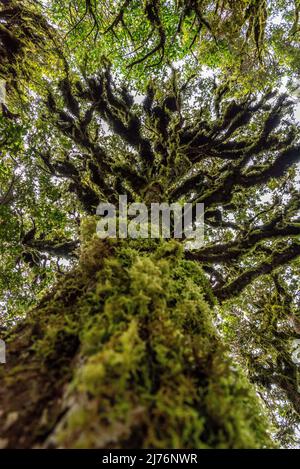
(124, 354)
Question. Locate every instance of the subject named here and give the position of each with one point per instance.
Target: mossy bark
(124, 354)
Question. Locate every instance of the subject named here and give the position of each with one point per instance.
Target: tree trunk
(124, 354)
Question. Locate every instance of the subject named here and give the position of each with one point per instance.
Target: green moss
(150, 369)
(87, 228)
(128, 338)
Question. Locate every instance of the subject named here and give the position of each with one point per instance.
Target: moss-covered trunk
(124, 353)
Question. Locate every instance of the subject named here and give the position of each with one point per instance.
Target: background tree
(249, 42)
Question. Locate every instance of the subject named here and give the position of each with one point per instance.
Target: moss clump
(151, 370)
(123, 353)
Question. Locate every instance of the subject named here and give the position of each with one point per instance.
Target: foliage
(142, 38)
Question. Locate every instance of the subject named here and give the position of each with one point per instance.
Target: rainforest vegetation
(148, 343)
